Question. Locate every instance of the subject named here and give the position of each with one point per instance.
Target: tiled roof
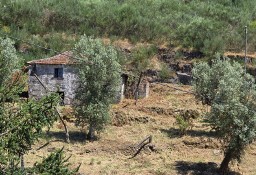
(63, 58)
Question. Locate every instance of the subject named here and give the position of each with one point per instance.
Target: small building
(59, 74)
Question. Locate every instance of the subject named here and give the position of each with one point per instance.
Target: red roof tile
(63, 58)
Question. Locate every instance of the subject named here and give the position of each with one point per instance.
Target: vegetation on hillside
(205, 26)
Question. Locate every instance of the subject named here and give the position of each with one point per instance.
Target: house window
(58, 73)
(33, 71)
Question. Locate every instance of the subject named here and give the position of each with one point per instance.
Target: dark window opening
(23, 94)
(33, 71)
(62, 96)
(58, 73)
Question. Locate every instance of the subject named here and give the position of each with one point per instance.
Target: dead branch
(136, 93)
(47, 143)
(5, 133)
(141, 145)
(45, 87)
(65, 126)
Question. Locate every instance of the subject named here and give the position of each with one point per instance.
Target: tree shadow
(192, 168)
(174, 133)
(74, 136)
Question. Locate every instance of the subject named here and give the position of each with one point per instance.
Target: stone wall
(67, 84)
(121, 89)
(143, 89)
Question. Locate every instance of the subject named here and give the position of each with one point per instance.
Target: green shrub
(207, 26)
(56, 163)
(164, 73)
(186, 120)
(183, 124)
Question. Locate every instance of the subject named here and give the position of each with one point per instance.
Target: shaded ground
(209, 168)
(196, 153)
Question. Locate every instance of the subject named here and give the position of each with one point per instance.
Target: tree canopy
(99, 76)
(231, 93)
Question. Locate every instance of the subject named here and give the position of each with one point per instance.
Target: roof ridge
(61, 58)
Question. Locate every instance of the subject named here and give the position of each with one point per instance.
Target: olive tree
(231, 94)
(9, 61)
(98, 82)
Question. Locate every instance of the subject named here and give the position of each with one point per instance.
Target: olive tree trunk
(224, 168)
(91, 133)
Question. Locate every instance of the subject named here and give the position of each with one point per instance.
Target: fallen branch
(141, 145)
(47, 143)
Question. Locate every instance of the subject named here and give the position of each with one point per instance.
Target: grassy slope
(195, 153)
(207, 26)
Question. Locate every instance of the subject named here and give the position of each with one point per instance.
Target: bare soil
(196, 153)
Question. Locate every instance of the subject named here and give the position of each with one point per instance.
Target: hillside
(198, 152)
(158, 39)
(204, 26)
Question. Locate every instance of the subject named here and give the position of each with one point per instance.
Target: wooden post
(22, 164)
(137, 88)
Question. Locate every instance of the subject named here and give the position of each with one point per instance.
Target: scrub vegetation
(204, 26)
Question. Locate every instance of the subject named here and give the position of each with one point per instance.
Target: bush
(56, 163)
(164, 73)
(183, 124)
(206, 26)
(185, 120)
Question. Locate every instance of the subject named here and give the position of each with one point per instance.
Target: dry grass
(196, 153)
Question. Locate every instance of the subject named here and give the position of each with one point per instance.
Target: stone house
(59, 74)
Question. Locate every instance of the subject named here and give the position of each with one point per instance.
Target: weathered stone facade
(143, 90)
(121, 90)
(59, 74)
(65, 85)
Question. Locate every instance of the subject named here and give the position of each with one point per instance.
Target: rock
(166, 54)
(51, 149)
(216, 152)
(87, 151)
(184, 78)
(187, 68)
